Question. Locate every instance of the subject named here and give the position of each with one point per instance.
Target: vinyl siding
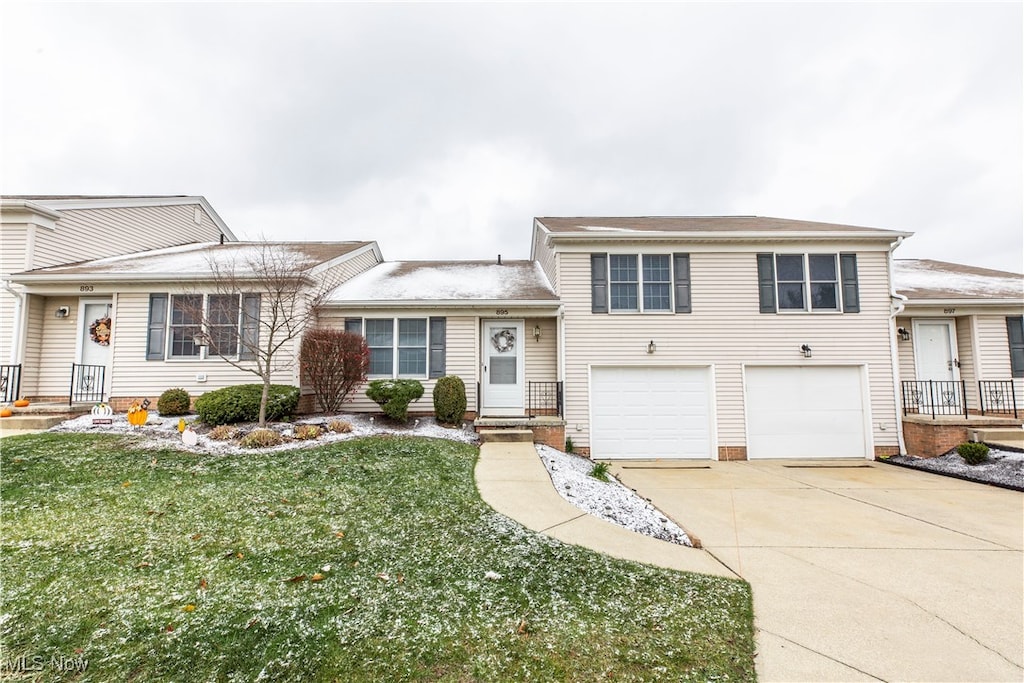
(13, 251)
(965, 354)
(134, 376)
(334, 276)
(541, 357)
(30, 362)
(461, 341)
(546, 257)
(84, 234)
(54, 340)
(908, 366)
(726, 331)
(994, 352)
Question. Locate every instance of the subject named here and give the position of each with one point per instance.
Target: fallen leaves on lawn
(296, 579)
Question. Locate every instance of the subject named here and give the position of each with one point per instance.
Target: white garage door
(805, 412)
(647, 412)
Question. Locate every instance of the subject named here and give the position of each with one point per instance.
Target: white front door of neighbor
(502, 358)
(95, 332)
(935, 350)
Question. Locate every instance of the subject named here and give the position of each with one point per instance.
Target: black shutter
(681, 272)
(851, 291)
(437, 347)
(766, 282)
(599, 283)
(250, 326)
(1015, 335)
(354, 325)
(157, 333)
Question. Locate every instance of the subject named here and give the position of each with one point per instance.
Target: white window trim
(639, 256)
(808, 308)
(395, 335)
(204, 354)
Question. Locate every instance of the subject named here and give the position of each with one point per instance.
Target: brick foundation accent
(732, 452)
(550, 436)
(931, 440)
(882, 451)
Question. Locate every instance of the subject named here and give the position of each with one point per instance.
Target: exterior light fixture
(652, 347)
(904, 334)
(806, 350)
(536, 332)
(62, 312)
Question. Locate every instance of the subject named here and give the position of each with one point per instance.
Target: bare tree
(260, 298)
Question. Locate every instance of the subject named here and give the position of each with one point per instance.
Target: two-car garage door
(650, 412)
(666, 412)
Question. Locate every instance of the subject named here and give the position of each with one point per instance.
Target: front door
(935, 358)
(95, 331)
(502, 358)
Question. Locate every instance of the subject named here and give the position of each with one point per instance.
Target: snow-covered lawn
(1002, 467)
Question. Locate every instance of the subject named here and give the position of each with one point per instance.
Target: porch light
(806, 350)
(62, 312)
(652, 347)
(536, 332)
(904, 334)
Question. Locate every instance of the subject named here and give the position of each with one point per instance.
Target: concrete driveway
(861, 571)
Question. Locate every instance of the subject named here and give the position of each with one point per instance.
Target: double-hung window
(403, 347)
(640, 283)
(222, 317)
(186, 325)
(181, 324)
(808, 282)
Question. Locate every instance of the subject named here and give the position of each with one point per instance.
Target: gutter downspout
(561, 355)
(19, 321)
(896, 306)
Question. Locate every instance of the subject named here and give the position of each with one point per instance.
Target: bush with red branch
(334, 363)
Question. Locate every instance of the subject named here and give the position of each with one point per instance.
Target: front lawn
(371, 559)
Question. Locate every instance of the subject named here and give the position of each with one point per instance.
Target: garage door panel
(650, 412)
(805, 412)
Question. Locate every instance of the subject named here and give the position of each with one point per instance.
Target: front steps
(1014, 438)
(41, 416)
(505, 435)
(545, 429)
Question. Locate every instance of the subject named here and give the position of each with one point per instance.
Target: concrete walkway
(861, 571)
(512, 479)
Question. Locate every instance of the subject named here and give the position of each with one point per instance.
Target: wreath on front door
(504, 341)
(99, 331)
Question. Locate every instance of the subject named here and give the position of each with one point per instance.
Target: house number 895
(501, 311)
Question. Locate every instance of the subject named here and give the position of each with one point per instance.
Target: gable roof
(190, 261)
(452, 282)
(703, 226)
(923, 280)
(59, 202)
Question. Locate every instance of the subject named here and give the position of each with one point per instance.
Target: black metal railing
(86, 383)
(934, 397)
(10, 383)
(544, 398)
(997, 396)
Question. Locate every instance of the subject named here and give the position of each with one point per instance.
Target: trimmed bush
(394, 396)
(222, 433)
(242, 404)
(261, 438)
(173, 402)
(450, 400)
(339, 426)
(973, 453)
(307, 432)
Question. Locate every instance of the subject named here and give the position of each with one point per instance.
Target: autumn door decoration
(137, 415)
(99, 331)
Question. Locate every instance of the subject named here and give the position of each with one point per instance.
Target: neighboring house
(961, 339)
(118, 327)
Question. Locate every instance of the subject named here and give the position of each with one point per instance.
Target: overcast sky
(441, 130)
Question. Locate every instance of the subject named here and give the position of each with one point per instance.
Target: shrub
(242, 403)
(450, 400)
(334, 363)
(306, 432)
(973, 453)
(394, 396)
(599, 471)
(261, 438)
(339, 426)
(222, 433)
(569, 448)
(174, 402)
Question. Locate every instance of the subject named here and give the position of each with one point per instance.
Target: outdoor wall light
(62, 312)
(806, 350)
(652, 347)
(904, 334)
(536, 332)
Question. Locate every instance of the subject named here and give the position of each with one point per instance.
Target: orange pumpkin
(21, 403)
(138, 417)
(6, 412)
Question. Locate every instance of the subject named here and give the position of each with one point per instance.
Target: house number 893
(85, 288)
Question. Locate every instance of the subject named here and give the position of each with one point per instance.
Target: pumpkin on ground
(21, 403)
(6, 412)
